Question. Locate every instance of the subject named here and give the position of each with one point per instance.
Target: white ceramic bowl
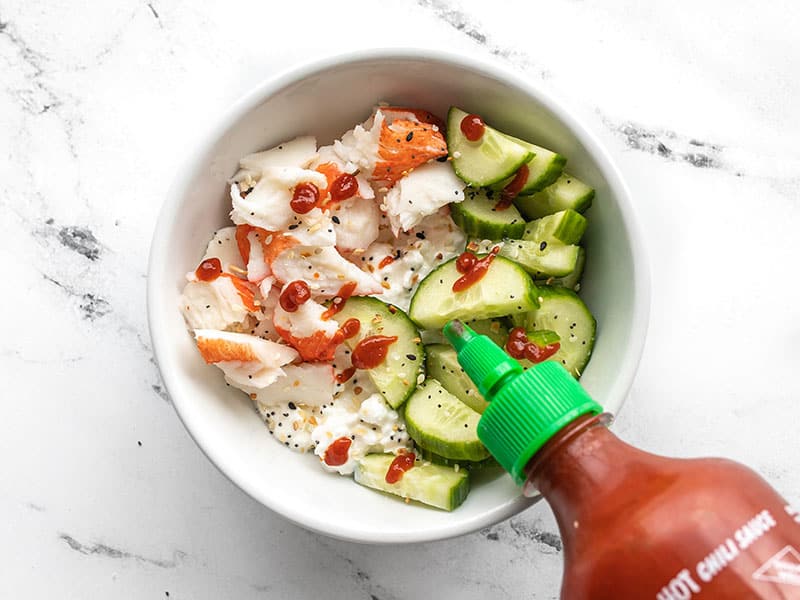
(325, 99)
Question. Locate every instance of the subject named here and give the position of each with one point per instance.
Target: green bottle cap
(526, 408)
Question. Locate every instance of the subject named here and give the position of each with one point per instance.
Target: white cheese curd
(309, 384)
(299, 152)
(267, 204)
(224, 247)
(359, 146)
(290, 423)
(356, 222)
(212, 304)
(414, 255)
(359, 386)
(422, 192)
(371, 425)
(324, 269)
(249, 362)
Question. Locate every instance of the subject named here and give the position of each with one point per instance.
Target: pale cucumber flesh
(488, 160)
(438, 421)
(436, 485)
(443, 365)
(505, 289)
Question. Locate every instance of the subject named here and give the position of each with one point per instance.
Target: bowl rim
(302, 70)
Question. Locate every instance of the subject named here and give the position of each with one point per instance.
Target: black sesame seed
(441, 159)
(421, 235)
(411, 356)
(292, 405)
(543, 245)
(410, 136)
(294, 226)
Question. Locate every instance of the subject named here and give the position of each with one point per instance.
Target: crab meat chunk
(306, 384)
(324, 269)
(305, 330)
(267, 204)
(299, 152)
(421, 193)
(356, 223)
(224, 247)
(248, 362)
(223, 303)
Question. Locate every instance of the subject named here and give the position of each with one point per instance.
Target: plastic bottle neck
(577, 465)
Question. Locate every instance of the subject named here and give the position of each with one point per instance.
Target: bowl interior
(326, 100)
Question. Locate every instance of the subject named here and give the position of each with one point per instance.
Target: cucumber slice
(505, 288)
(540, 258)
(477, 216)
(543, 337)
(442, 365)
(566, 192)
(540, 337)
(543, 169)
(435, 485)
(495, 329)
(396, 377)
(562, 311)
(572, 280)
(566, 227)
(427, 455)
(440, 422)
(488, 160)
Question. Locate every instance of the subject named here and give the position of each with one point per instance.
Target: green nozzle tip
(458, 334)
(525, 408)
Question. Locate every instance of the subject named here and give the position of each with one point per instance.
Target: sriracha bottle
(634, 525)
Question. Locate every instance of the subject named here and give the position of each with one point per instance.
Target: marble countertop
(106, 496)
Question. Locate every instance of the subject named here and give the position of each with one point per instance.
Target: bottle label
(782, 568)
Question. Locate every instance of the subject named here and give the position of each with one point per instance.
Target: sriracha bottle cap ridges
(526, 408)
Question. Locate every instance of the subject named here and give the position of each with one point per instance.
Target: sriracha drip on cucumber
(633, 524)
(401, 463)
(473, 269)
(472, 126)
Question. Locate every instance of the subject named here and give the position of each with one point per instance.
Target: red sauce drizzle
(339, 300)
(337, 452)
(304, 198)
(295, 294)
(401, 463)
(518, 346)
(209, 270)
(343, 187)
(386, 261)
(472, 126)
(476, 272)
(371, 351)
(350, 328)
(465, 262)
(513, 188)
(345, 375)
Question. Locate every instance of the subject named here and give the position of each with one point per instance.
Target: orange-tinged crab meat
(214, 350)
(270, 245)
(405, 144)
(412, 114)
(246, 291)
(317, 347)
(249, 362)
